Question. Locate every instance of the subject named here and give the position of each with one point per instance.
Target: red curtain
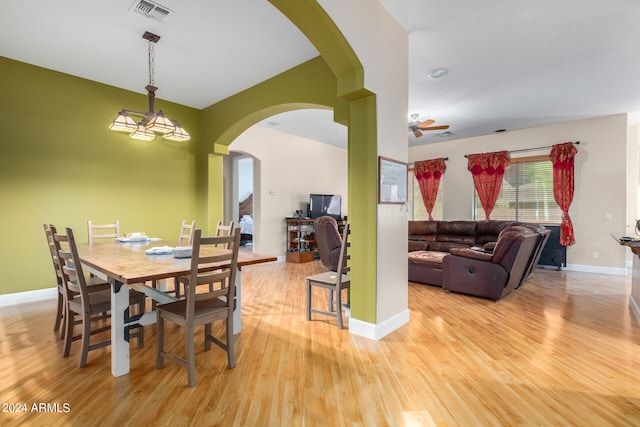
(562, 158)
(428, 174)
(487, 170)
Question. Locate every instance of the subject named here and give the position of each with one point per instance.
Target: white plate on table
(159, 250)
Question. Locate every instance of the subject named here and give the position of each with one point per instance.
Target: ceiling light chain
(152, 63)
(151, 121)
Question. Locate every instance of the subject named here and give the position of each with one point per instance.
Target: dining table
(130, 264)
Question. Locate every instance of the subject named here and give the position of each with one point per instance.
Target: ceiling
(512, 64)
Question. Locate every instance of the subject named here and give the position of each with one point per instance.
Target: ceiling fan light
(123, 123)
(417, 133)
(158, 122)
(142, 133)
(179, 134)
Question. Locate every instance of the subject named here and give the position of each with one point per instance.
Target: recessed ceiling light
(437, 73)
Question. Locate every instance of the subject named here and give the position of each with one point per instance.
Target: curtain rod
(531, 149)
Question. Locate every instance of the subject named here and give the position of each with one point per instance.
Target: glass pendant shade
(124, 123)
(160, 123)
(179, 134)
(142, 133)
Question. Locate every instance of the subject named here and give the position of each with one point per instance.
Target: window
(526, 194)
(417, 211)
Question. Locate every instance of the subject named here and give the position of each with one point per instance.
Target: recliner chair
(328, 240)
(491, 275)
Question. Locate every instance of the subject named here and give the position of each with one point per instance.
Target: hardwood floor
(562, 350)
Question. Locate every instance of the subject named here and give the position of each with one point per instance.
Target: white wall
(600, 182)
(290, 168)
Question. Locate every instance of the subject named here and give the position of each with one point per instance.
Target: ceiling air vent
(150, 9)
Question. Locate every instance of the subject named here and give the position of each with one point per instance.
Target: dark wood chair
(334, 281)
(203, 306)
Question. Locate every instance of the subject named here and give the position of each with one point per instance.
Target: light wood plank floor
(563, 350)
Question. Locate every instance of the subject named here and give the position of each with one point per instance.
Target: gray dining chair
(334, 281)
(203, 307)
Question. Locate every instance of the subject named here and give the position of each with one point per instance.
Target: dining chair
(103, 231)
(334, 281)
(224, 230)
(93, 284)
(185, 237)
(186, 232)
(60, 311)
(202, 307)
(87, 302)
(221, 230)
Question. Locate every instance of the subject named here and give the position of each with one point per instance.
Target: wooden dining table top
(128, 263)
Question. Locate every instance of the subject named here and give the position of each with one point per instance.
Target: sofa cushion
(426, 267)
(417, 245)
(423, 228)
(463, 232)
(502, 253)
(488, 230)
(445, 246)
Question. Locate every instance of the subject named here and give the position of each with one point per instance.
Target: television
(325, 204)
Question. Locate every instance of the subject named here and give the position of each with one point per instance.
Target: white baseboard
(29, 296)
(614, 271)
(379, 331)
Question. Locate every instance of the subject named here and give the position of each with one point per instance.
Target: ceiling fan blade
(434, 127)
(426, 123)
(417, 133)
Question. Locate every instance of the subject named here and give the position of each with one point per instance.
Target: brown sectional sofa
(441, 236)
(439, 252)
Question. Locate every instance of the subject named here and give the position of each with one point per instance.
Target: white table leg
(119, 346)
(237, 314)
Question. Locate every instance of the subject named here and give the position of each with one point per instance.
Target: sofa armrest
(471, 253)
(490, 246)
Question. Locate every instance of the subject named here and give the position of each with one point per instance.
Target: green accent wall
(60, 164)
(363, 207)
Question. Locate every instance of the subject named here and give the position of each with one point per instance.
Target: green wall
(60, 164)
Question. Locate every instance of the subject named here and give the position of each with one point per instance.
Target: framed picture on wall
(392, 181)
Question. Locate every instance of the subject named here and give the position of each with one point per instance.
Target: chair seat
(100, 301)
(328, 278)
(203, 308)
(97, 284)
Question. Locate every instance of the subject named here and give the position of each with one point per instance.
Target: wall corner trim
(378, 331)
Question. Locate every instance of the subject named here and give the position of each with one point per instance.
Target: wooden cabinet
(301, 240)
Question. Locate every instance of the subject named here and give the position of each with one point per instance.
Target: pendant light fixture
(151, 122)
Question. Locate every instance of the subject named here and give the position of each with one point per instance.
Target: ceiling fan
(417, 127)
